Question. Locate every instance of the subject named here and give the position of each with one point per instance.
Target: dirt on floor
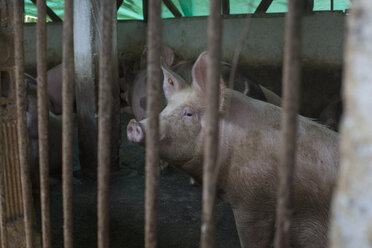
(178, 216)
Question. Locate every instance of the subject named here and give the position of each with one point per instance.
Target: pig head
(248, 155)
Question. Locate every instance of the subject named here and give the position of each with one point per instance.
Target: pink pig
(248, 158)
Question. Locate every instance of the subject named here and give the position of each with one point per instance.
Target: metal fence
(291, 86)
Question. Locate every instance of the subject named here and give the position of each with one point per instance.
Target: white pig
(248, 156)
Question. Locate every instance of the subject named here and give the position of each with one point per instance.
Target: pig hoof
(134, 132)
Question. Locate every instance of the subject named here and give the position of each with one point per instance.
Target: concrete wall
(323, 34)
(261, 58)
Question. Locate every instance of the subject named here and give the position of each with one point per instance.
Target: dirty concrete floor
(179, 208)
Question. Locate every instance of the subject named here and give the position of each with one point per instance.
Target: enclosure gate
(13, 124)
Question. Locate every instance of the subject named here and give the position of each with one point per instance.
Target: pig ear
(168, 55)
(199, 77)
(172, 82)
(199, 74)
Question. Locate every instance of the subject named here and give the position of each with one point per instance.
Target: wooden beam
(308, 6)
(145, 4)
(118, 4)
(264, 5)
(226, 7)
(50, 13)
(172, 8)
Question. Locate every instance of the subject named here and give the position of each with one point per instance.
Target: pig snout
(135, 132)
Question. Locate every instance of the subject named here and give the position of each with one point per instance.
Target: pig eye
(187, 112)
(170, 81)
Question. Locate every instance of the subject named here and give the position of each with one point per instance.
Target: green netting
(132, 9)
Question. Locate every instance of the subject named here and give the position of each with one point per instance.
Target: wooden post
(86, 43)
(352, 203)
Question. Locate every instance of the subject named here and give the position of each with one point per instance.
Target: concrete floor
(179, 208)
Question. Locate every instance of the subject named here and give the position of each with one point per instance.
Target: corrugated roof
(132, 9)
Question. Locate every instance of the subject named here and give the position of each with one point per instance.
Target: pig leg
(253, 231)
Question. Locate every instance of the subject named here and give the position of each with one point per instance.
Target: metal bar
(23, 142)
(226, 7)
(42, 110)
(50, 13)
(104, 120)
(172, 8)
(332, 5)
(291, 88)
(210, 168)
(264, 5)
(68, 65)
(3, 232)
(145, 11)
(154, 35)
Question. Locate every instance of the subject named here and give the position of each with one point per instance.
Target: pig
(242, 83)
(54, 79)
(331, 115)
(54, 138)
(248, 158)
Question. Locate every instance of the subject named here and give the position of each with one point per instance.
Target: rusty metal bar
(154, 35)
(42, 110)
(23, 141)
(50, 13)
(291, 89)
(172, 8)
(210, 168)
(67, 119)
(226, 7)
(3, 232)
(104, 120)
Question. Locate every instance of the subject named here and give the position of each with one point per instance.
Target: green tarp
(132, 9)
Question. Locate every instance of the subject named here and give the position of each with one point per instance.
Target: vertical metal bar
(210, 169)
(104, 120)
(42, 110)
(68, 65)
(291, 88)
(3, 232)
(154, 35)
(332, 5)
(23, 142)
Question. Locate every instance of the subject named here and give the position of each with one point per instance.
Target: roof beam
(172, 8)
(226, 7)
(264, 5)
(50, 13)
(145, 4)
